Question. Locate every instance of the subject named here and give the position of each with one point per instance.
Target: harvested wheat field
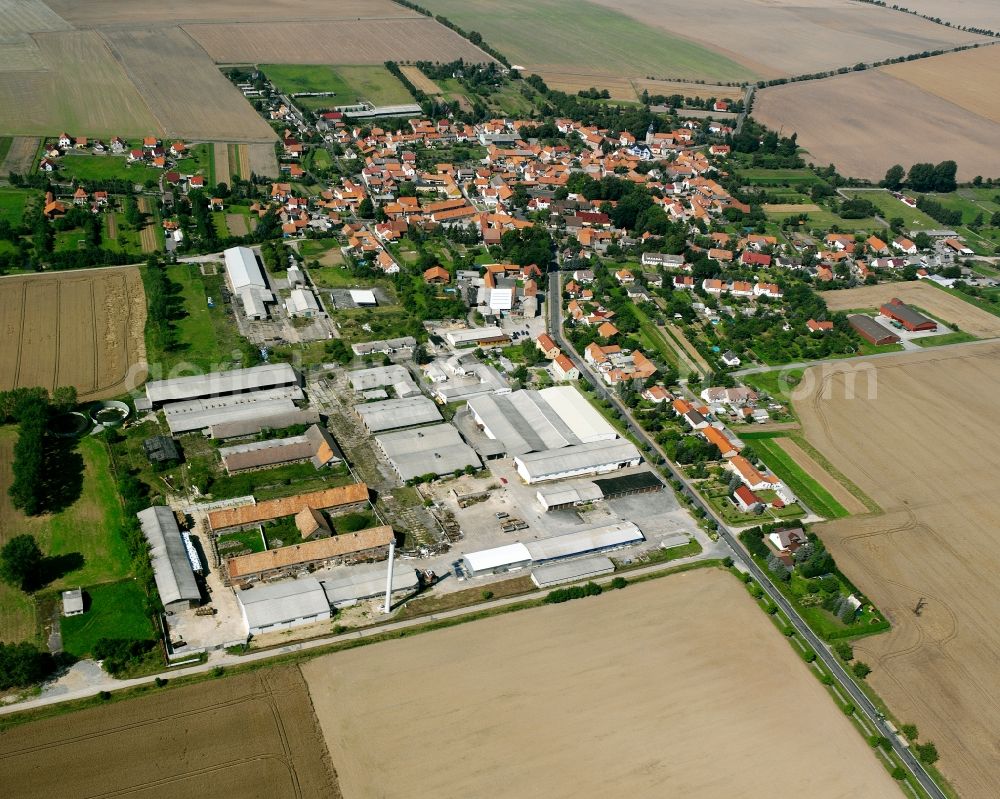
(420, 80)
(220, 153)
(359, 41)
(935, 301)
(958, 78)
(572, 82)
(85, 90)
(237, 224)
(83, 329)
(790, 208)
(935, 477)
(863, 140)
(21, 17)
(793, 37)
(153, 60)
(262, 158)
(676, 687)
(139, 13)
(21, 155)
(249, 736)
(982, 14)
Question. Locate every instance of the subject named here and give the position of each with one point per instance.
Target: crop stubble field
(83, 329)
(939, 111)
(557, 702)
(935, 479)
(935, 301)
(250, 736)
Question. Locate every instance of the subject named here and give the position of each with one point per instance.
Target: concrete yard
(641, 693)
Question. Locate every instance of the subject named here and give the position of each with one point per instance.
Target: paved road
(98, 682)
(846, 682)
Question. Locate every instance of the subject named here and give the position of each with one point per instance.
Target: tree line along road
(858, 697)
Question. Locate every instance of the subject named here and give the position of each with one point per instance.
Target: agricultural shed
(217, 384)
(175, 581)
(277, 420)
(316, 445)
(363, 298)
(72, 602)
(567, 495)
(625, 485)
(283, 605)
(871, 331)
(371, 544)
(183, 417)
(495, 559)
(476, 337)
(535, 421)
(378, 377)
(392, 414)
(582, 568)
(583, 542)
(348, 585)
(598, 457)
(343, 498)
(161, 449)
(437, 449)
(908, 317)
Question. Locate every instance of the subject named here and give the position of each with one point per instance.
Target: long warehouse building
(172, 570)
(202, 414)
(536, 421)
(218, 384)
(598, 457)
(547, 550)
(437, 449)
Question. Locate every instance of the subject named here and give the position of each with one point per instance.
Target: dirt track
(941, 304)
(850, 502)
(83, 329)
(927, 450)
(249, 736)
(676, 687)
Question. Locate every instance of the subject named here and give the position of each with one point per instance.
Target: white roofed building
(283, 605)
(598, 457)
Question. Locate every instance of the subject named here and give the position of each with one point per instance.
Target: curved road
(858, 697)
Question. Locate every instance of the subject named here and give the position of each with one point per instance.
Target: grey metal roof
(867, 325)
(378, 376)
(199, 414)
(594, 539)
(395, 413)
(171, 567)
(567, 571)
(213, 384)
(283, 602)
(274, 421)
(242, 268)
(348, 584)
(437, 449)
(577, 458)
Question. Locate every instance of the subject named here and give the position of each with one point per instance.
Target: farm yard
(358, 41)
(179, 743)
(937, 302)
(554, 690)
(863, 141)
(79, 329)
(935, 543)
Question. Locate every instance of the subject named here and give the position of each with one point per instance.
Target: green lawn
(550, 32)
(5, 142)
(734, 516)
(891, 208)
(200, 159)
(295, 78)
(779, 384)
(827, 220)
(81, 166)
(206, 337)
(13, 202)
(958, 337)
(349, 83)
(816, 498)
(17, 615)
(115, 610)
(247, 539)
(89, 527)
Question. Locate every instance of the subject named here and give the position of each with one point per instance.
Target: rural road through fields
(100, 681)
(858, 697)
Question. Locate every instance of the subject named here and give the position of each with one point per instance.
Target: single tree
(19, 561)
(861, 669)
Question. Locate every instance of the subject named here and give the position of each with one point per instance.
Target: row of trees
(922, 177)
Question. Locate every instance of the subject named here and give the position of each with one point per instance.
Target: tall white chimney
(388, 578)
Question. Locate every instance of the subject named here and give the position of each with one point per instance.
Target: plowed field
(676, 687)
(926, 448)
(83, 329)
(243, 737)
